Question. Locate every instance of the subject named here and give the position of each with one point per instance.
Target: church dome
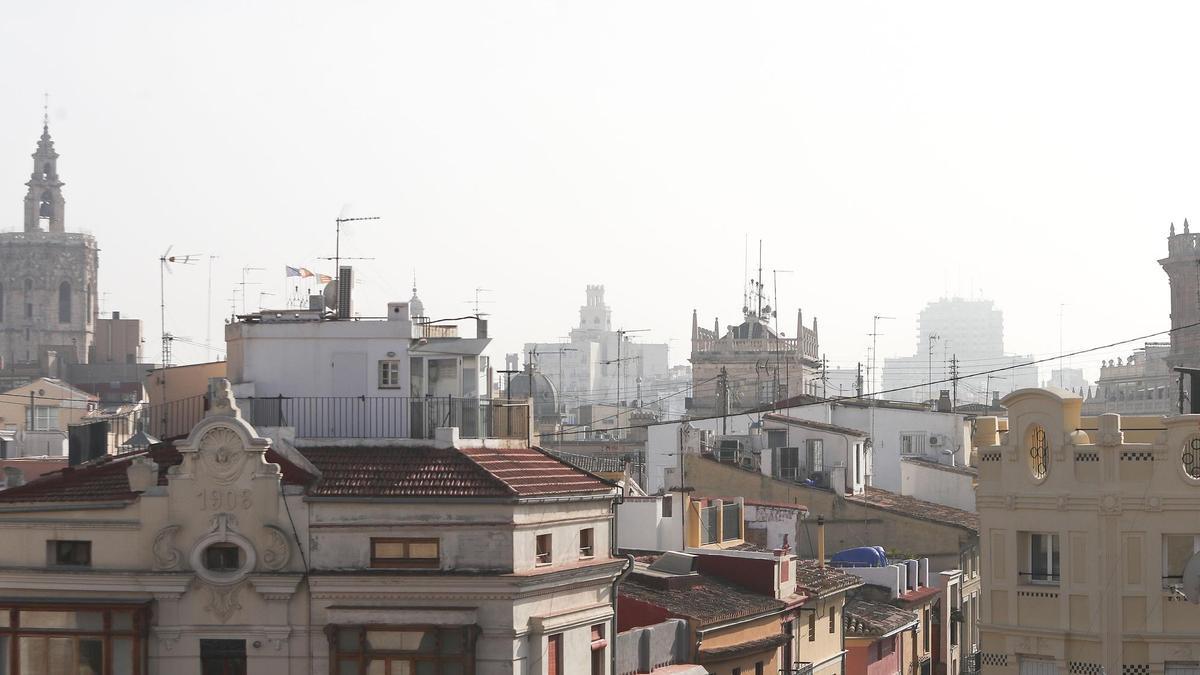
(545, 394)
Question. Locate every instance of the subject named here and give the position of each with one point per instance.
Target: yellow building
(34, 417)
(1084, 536)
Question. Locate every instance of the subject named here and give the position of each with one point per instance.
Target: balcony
(798, 668)
(970, 664)
(320, 417)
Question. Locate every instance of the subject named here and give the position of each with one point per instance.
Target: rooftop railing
(329, 417)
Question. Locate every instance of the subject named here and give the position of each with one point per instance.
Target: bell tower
(44, 200)
(1182, 266)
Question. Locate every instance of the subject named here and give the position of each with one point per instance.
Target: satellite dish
(1191, 579)
(330, 295)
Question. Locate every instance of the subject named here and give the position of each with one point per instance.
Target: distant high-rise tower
(1182, 266)
(48, 291)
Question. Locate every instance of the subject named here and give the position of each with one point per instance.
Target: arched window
(1191, 457)
(46, 172)
(64, 302)
(1039, 452)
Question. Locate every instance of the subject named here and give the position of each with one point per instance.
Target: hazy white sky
(887, 153)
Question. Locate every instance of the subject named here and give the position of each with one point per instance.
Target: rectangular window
(812, 627)
(1043, 558)
(544, 549)
(926, 628)
(72, 640)
(45, 418)
(223, 657)
(554, 655)
(814, 450)
(912, 443)
(833, 619)
(405, 553)
(586, 547)
(598, 645)
(64, 552)
(736, 671)
(222, 558)
(389, 374)
(758, 668)
(668, 506)
(411, 650)
(1177, 550)
(29, 310)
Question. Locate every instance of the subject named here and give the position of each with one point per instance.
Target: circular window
(223, 558)
(1039, 455)
(1191, 458)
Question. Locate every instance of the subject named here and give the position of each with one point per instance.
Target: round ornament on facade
(1039, 452)
(1189, 458)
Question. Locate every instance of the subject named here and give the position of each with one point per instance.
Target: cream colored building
(225, 552)
(1084, 537)
(34, 417)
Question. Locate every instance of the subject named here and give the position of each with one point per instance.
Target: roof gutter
(625, 571)
(65, 506)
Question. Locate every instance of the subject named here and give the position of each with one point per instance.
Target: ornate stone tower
(48, 287)
(44, 201)
(1182, 266)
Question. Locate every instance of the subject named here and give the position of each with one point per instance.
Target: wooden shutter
(554, 655)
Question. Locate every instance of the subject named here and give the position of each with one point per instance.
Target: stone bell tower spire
(44, 201)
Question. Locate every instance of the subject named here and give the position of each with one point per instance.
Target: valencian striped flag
(292, 271)
(305, 272)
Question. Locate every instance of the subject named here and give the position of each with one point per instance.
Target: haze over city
(886, 155)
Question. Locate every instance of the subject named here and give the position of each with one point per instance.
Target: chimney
(316, 303)
(345, 284)
(116, 315)
(943, 402)
(821, 541)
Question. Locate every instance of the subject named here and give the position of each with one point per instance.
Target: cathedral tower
(44, 200)
(48, 278)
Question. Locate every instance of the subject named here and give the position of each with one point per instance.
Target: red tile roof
(400, 472)
(104, 479)
(917, 508)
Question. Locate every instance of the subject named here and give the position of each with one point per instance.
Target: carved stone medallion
(222, 455)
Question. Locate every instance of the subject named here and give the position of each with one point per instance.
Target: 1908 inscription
(224, 500)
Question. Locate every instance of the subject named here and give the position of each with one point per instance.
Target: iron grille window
(1039, 457)
(1191, 458)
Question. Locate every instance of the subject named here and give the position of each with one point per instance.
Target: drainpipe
(613, 551)
(821, 541)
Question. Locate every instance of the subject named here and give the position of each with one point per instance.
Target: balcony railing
(970, 664)
(328, 417)
(797, 668)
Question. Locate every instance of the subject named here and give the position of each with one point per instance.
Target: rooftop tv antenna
(337, 242)
(165, 261)
(476, 302)
(246, 283)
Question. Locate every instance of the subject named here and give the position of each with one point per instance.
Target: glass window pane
(452, 641)
(401, 668)
(91, 655)
(32, 655)
(3, 655)
(5, 617)
(122, 620)
(348, 639)
(423, 550)
(61, 654)
(426, 668)
(72, 620)
(348, 667)
(394, 640)
(390, 549)
(122, 655)
(377, 667)
(453, 669)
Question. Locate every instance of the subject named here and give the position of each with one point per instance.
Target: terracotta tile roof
(740, 649)
(399, 472)
(874, 619)
(104, 479)
(917, 508)
(705, 599)
(818, 580)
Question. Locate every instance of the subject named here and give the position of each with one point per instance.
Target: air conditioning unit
(728, 450)
(750, 461)
(937, 440)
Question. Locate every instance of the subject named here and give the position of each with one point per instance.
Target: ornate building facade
(48, 307)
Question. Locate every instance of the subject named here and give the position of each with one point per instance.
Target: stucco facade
(316, 561)
(1084, 536)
